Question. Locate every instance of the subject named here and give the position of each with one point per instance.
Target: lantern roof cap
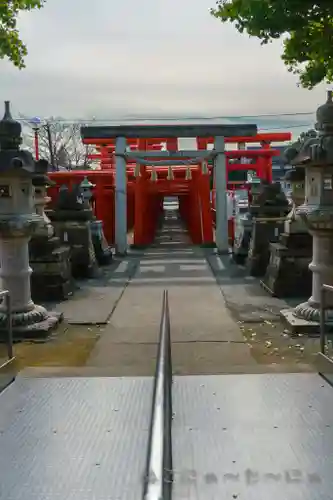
(10, 131)
(324, 115)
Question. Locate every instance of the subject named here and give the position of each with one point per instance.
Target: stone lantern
(41, 182)
(103, 251)
(316, 156)
(243, 222)
(18, 221)
(268, 215)
(71, 216)
(262, 224)
(288, 269)
(51, 279)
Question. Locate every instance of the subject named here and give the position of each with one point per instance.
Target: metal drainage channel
(158, 477)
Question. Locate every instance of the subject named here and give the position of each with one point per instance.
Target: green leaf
(11, 46)
(307, 26)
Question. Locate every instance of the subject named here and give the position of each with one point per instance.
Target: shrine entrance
(156, 173)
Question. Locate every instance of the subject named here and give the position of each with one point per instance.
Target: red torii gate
(183, 177)
(263, 165)
(191, 183)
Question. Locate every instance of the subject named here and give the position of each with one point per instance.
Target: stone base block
(51, 279)
(297, 241)
(77, 235)
(51, 288)
(39, 245)
(38, 330)
(300, 326)
(264, 232)
(288, 273)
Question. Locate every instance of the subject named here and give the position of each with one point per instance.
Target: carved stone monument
(317, 214)
(268, 215)
(71, 218)
(288, 273)
(50, 260)
(18, 221)
(103, 251)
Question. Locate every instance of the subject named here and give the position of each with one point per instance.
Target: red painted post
(139, 204)
(203, 181)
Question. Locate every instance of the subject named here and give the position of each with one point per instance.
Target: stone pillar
(121, 197)
(316, 156)
(220, 172)
(18, 221)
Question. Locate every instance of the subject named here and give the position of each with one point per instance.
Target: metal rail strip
(324, 362)
(7, 371)
(158, 479)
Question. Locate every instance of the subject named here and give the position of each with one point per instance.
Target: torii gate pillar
(220, 177)
(120, 197)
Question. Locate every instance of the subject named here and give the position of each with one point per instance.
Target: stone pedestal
(51, 279)
(316, 156)
(18, 221)
(322, 273)
(305, 317)
(268, 209)
(264, 231)
(29, 320)
(262, 224)
(71, 220)
(288, 273)
(73, 229)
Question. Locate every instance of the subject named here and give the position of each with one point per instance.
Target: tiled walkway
(204, 337)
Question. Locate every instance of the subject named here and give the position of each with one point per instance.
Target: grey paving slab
(75, 439)
(93, 306)
(197, 308)
(124, 359)
(109, 371)
(252, 437)
(243, 294)
(207, 358)
(95, 300)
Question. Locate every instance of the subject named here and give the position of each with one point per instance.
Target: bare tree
(59, 142)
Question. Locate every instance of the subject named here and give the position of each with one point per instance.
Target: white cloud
(168, 57)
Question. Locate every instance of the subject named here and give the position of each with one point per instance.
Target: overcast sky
(109, 58)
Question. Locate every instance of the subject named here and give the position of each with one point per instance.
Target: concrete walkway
(205, 339)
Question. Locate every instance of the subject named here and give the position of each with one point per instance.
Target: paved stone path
(205, 339)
